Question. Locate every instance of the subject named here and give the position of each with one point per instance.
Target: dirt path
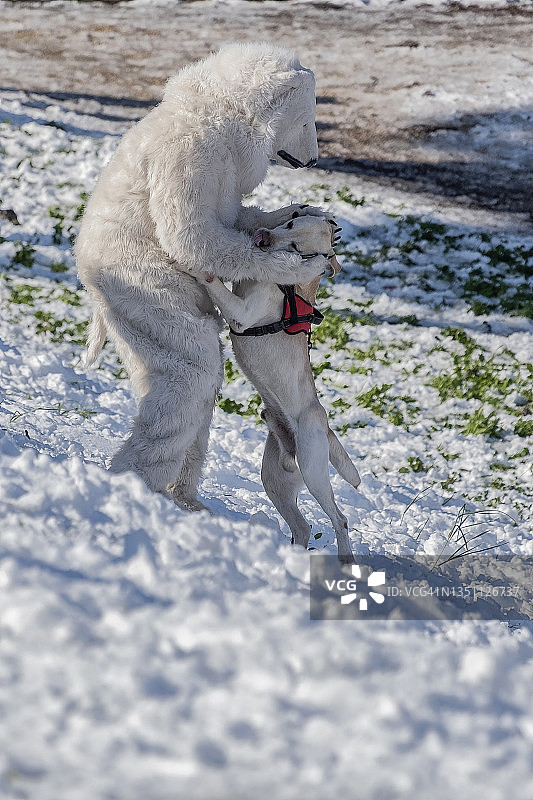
(429, 100)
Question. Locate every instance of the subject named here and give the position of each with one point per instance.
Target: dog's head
(306, 235)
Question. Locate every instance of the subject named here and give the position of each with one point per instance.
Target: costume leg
(164, 428)
(184, 490)
(175, 370)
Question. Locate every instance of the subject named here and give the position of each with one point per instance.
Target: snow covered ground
(148, 653)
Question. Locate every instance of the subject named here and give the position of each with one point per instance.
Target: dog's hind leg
(342, 461)
(282, 481)
(312, 453)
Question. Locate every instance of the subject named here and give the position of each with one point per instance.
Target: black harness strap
(262, 330)
(313, 318)
(288, 291)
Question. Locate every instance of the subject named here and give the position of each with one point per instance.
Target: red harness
(298, 312)
(298, 316)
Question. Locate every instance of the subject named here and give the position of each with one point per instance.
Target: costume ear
(292, 81)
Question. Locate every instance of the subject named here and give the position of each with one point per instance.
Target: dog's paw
(346, 558)
(311, 211)
(236, 326)
(205, 278)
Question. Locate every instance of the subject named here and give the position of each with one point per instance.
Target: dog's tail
(342, 461)
(95, 337)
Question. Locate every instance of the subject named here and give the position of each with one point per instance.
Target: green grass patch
(24, 255)
(474, 376)
(415, 465)
(61, 330)
(524, 428)
(233, 407)
(80, 209)
(24, 294)
(346, 196)
(334, 329)
(399, 410)
(56, 213)
(231, 373)
(481, 424)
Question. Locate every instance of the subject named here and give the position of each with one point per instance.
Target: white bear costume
(170, 202)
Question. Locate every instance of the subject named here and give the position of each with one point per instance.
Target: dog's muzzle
(294, 162)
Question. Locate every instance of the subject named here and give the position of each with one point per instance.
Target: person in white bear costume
(170, 203)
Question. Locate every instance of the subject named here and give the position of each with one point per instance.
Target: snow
(149, 653)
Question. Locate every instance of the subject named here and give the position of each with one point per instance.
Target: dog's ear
(335, 266)
(262, 237)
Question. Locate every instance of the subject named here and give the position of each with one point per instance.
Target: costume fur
(170, 203)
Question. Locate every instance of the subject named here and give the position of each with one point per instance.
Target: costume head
(260, 84)
(295, 143)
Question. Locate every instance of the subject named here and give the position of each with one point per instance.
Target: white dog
(170, 202)
(300, 443)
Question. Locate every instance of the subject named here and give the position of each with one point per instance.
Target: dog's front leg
(234, 309)
(240, 312)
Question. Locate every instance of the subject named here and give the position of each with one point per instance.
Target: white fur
(170, 202)
(300, 443)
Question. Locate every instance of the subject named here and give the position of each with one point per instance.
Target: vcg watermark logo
(387, 586)
(347, 588)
